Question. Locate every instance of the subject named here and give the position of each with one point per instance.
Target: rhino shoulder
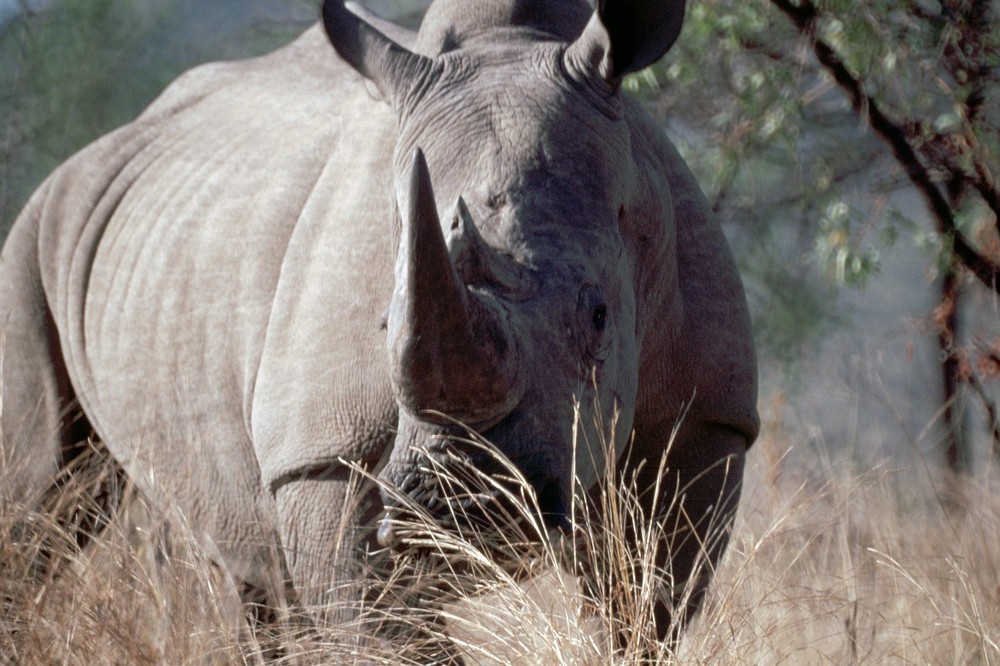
(696, 338)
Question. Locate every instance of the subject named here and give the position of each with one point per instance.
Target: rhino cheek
(602, 426)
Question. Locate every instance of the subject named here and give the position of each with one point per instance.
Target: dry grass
(827, 565)
(839, 565)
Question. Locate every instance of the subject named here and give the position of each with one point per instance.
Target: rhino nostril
(555, 513)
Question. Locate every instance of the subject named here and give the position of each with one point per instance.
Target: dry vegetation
(840, 565)
(828, 564)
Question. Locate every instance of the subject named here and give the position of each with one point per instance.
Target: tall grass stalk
(828, 564)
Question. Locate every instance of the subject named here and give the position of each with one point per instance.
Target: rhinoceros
(326, 258)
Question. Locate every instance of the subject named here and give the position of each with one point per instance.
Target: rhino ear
(402, 36)
(625, 36)
(390, 66)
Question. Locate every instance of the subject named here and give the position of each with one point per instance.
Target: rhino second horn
(479, 264)
(450, 352)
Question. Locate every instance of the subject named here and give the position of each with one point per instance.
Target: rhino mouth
(451, 499)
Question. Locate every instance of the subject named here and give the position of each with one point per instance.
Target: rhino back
(236, 214)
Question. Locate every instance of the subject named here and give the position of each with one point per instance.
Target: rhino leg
(698, 498)
(321, 522)
(697, 503)
(327, 524)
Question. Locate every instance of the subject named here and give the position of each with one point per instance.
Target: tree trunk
(952, 374)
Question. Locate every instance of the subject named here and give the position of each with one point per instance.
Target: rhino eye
(592, 313)
(600, 317)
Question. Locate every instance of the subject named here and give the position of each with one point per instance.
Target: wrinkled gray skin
(263, 275)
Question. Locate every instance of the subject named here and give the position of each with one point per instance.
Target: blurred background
(849, 148)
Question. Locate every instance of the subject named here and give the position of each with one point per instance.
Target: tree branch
(967, 56)
(804, 18)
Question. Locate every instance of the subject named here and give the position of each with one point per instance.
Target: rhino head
(514, 309)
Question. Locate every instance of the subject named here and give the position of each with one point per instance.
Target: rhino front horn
(449, 350)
